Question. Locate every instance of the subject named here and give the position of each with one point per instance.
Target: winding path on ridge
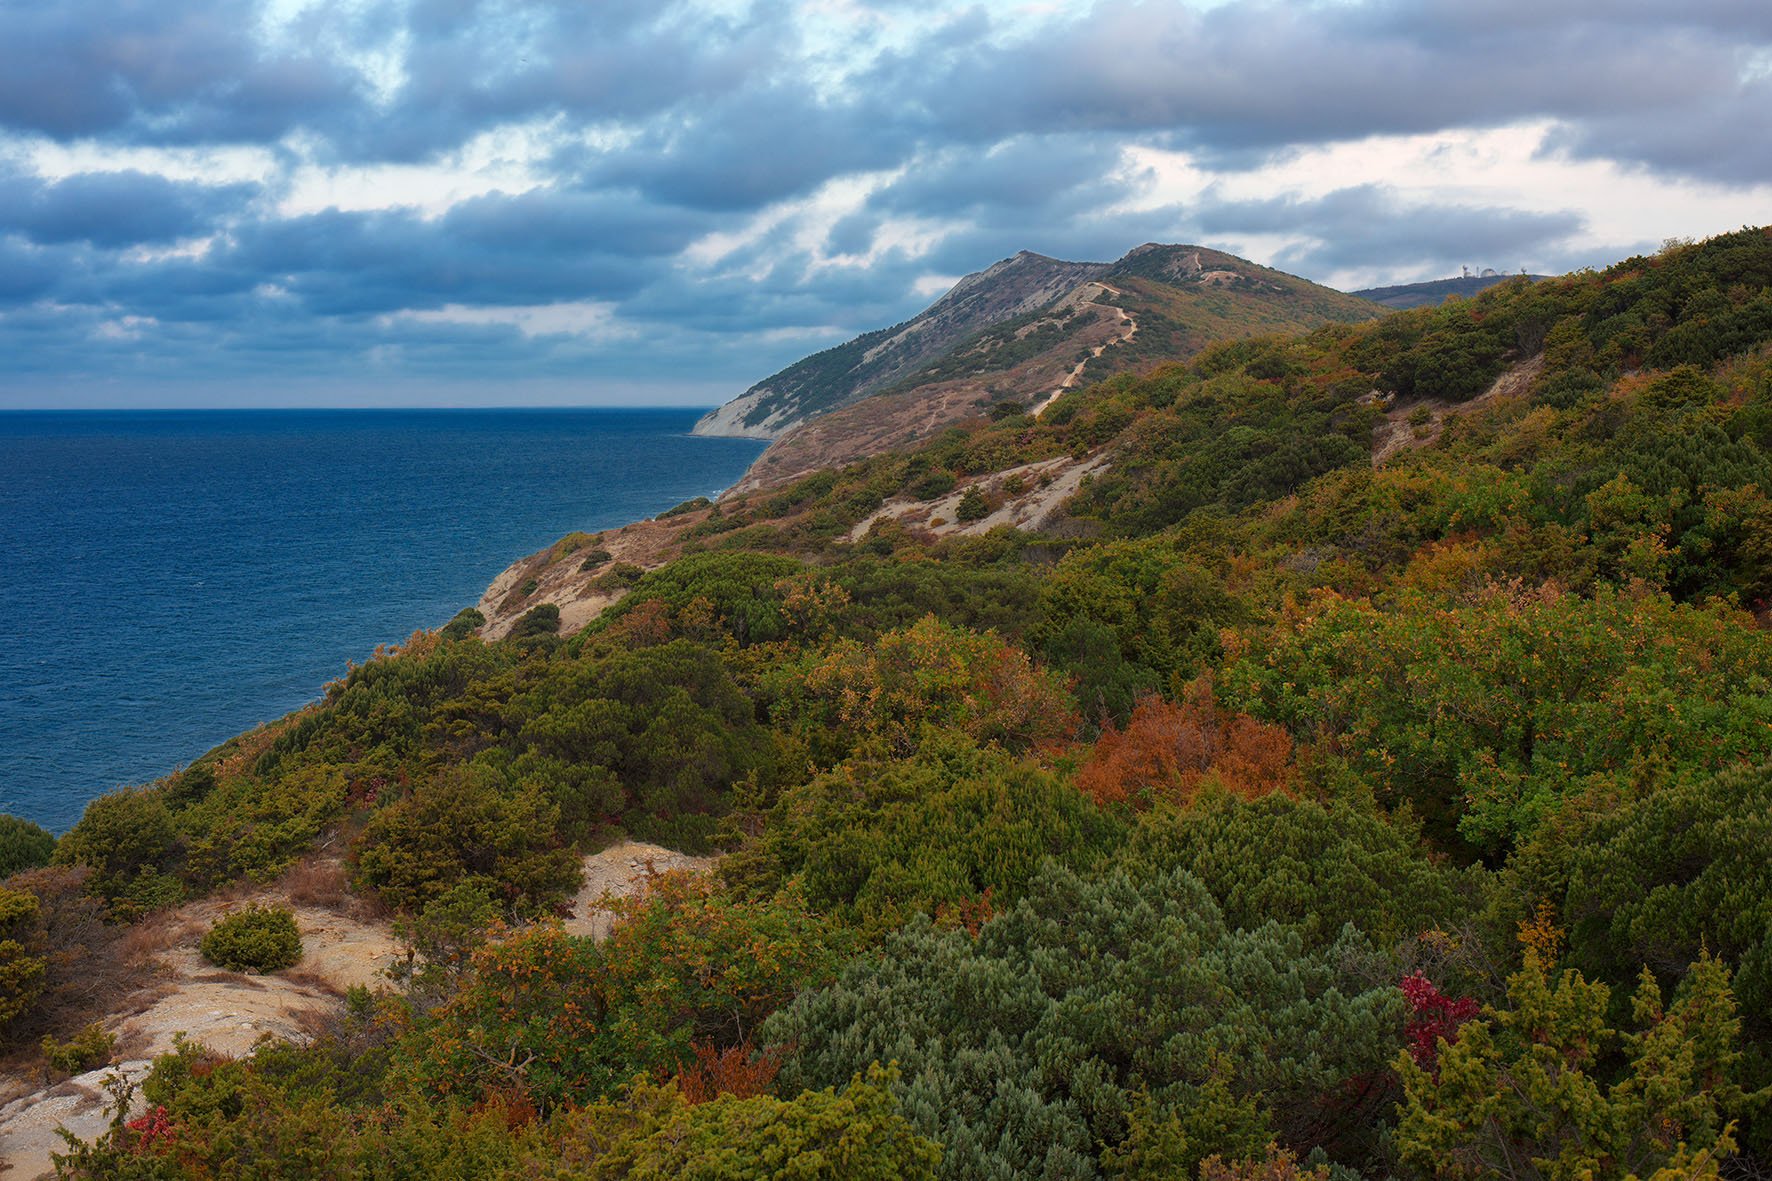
(1128, 329)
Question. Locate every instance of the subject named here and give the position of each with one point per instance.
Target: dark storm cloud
(550, 221)
(663, 123)
(115, 208)
(1054, 174)
(472, 65)
(364, 262)
(185, 72)
(757, 148)
(1268, 75)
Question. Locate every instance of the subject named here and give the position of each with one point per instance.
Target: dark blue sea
(169, 579)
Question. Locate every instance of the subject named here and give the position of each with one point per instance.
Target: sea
(169, 579)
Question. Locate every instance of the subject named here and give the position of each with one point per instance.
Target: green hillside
(1267, 813)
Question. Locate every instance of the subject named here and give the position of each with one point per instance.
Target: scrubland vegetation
(1278, 816)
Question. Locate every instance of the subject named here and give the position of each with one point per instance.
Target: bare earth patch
(226, 1011)
(343, 946)
(1397, 433)
(1048, 484)
(622, 871)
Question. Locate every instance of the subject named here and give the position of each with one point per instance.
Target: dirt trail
(1128, 328)
(1418, 422)
(343, 946)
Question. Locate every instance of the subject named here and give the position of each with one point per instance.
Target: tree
(560, 1019)
(23, 968)
(23, 845)
(853, 1134)
(1027, 1048)
(1530, 1091)
(466, 827)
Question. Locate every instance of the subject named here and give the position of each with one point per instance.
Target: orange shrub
(737, 1070)
(1167, 749)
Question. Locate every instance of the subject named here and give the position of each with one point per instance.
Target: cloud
(1369, 226)
(1263, 75)
(116, 208)
(701, 191)
(160, 72)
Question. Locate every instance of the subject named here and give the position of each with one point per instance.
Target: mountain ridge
(1156, 303)
(844, 373)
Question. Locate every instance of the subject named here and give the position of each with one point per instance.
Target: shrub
(541, 620)
(933, 484)
(1660, 879)
(465, 623)
(121, 836)
(59, 958)
(22, 971)
(529, 587)
(688, 506)
(87, 1050)
(933, 674)
(1548, 1079)
(620, 576)
(595, 558)
(973, 506)
(1168, 750)
(1133, 987)
(569, 545)
(466, 828)
(858, 1133)
(23, 845)
(955, 826)
(575, 1020)
(257, 939)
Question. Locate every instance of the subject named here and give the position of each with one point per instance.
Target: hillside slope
(1158, 303)
(874, 360)
(1303, 745)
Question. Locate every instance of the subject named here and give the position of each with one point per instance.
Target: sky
(621, 202)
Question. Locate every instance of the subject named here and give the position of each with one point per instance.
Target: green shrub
(620, 576)
(22, 968)
(937, 483)
(465, 623)
(23, 845)
(540, 620)
(688, 506)
(120, 836)
(87, 1050)
(529, 587)
(973, 506)
(595, 558)
(858, 1133)
(257, 939)
(465, 827)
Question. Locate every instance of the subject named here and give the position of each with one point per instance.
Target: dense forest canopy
(1279, 813)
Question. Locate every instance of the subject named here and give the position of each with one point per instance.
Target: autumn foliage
(1433, 1016)
(1168, 749)
(738, 1070)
